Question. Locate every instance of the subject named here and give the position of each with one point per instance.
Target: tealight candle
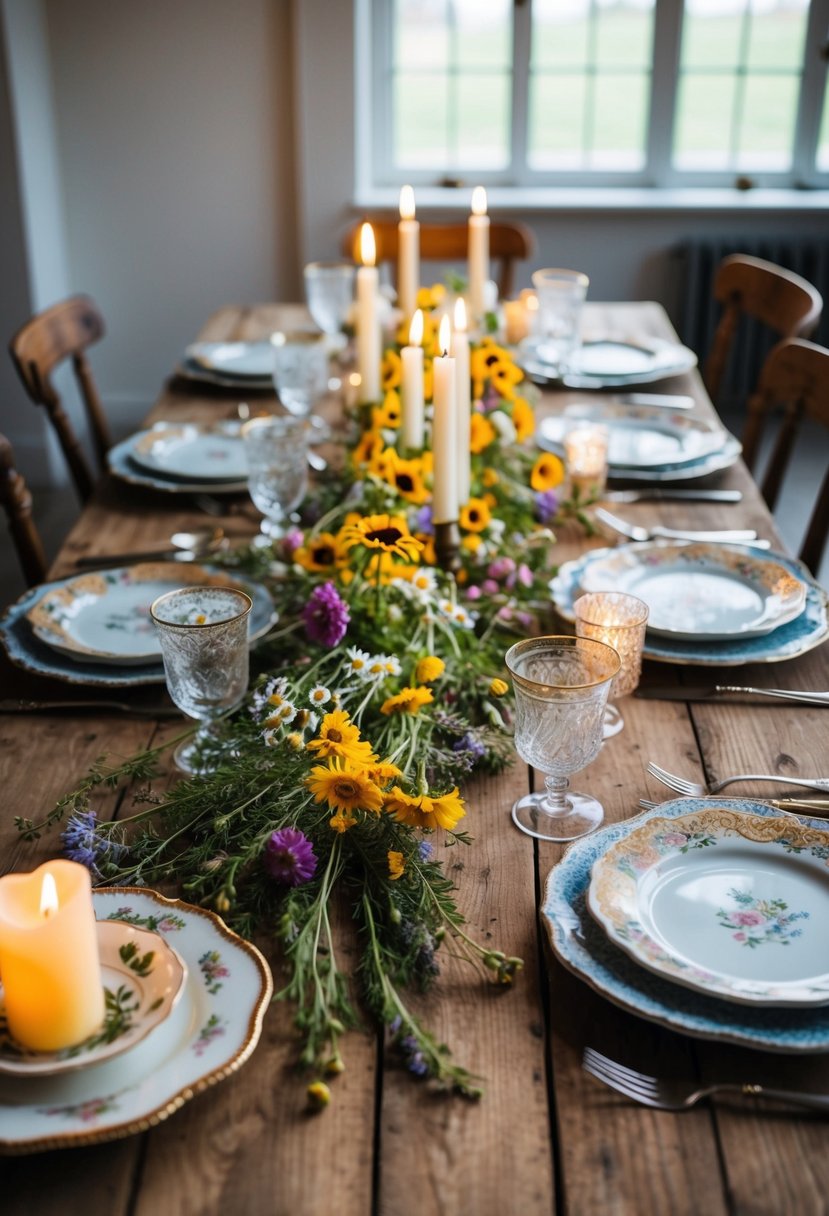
(619, 620)
(478, 254)
(412, 357)
(585, 454)
(368, 321)
(408, 253)
(49, 956)
(463, 398)
(444, 433)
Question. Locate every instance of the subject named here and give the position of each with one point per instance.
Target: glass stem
(555, 802)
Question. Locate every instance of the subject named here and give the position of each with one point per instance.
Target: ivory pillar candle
(478, 254)
(463, 400)
(444, 433)
(408, 254)
(412, 357)
(49, 956)
(368, 319)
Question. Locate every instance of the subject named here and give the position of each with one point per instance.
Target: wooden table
(546, 1137)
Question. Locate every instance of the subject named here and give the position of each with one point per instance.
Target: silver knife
(10, 705)
(658, 495)
(736, 693)
(671, 401)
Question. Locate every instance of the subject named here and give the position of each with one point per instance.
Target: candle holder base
(448, 546)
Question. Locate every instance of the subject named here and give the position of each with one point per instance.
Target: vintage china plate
(27, 651)
(104, 616)
(122, 464)
(237, 360)
(211, 1032)
(638, 437)
(193, 452)
(585, 949)
(734, 905)
(143, 977)
(701, 592)
(807, 630)
(608, 363)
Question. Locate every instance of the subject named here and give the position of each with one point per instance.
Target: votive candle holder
(619, 620)
(585, 455)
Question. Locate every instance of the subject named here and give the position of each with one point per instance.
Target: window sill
(599, 198)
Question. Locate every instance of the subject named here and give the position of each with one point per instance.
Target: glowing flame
(407, 203)
(368, 246)
(460, 315)
(531, 303)
(444, 335)
(48, 896)
(416, 329)
(479, 201)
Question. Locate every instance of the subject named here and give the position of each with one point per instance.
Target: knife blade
(11, 705)
(658, 495)
(671, 401)
(736, 694)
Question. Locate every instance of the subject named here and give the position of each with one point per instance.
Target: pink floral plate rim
(727, 903)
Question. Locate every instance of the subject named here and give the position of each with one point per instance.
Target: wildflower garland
(346, 758)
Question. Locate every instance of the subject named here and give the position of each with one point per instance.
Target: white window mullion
(812, 90)
(521, 58)
(667, 42)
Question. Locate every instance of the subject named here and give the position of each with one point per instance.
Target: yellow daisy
(547, 473)
(423, 811)
(498, 687)
(475, 515)
(481, 433)
(407, 701)
(490, 478)
(429, 669)
(389, 533)
(523, 419)
(384, 772)
(342, 821)
(344, 786)
(390, 369)
(339, 737)
(396, 864)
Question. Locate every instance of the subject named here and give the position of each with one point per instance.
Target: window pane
(702, 138)
(556, 135)
(483, 122)
(778, 32)
(624, 35)
(560, 33)
(823, 138)
(711, 33)
(483, 34)
(421, 122)
(418, 42)
(767, 130)
(619, 125)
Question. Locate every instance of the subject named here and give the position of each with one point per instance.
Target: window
(626, 92)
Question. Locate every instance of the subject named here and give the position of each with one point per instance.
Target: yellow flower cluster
(387, 536)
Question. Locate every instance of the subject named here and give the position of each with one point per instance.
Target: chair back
(508, 243)
(17, 503)
(779, 299)
(795, 376)
(63, 332)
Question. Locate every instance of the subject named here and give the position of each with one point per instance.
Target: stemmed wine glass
(203, 632)
(329, 291)
(620, 620)
(276, 449)
(561, 686)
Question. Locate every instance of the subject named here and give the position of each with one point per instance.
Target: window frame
(375, 113)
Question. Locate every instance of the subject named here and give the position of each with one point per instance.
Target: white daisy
(319, 695)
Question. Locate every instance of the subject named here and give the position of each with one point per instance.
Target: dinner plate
(580, 943)
(639, 437)
(143, 978)
(702, 591)
(188, 369)
(193, 452)
(608, 363)
(809, 629)
(724, 458)
(731, 904)
(26, 650)
(211, 1032)
(122, 464)
(233, 360)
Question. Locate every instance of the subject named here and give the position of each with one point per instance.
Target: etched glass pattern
(277, 454)
(620, 621)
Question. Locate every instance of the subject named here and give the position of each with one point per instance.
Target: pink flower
(739, 937)
(474, 592)
(747, 918)
(501, 566)
(676, 838)
(490, 587)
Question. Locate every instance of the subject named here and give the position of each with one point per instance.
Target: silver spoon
(186, 546)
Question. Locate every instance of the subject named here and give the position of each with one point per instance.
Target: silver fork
(682, 1095)
(695, 789)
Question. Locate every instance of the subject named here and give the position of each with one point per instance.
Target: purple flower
(469, 744)
(291, 541)
(425, 851)
(546, 505)
(83, 841)
(326, 616)
(424, 521)
(290, 857)
(501, 567)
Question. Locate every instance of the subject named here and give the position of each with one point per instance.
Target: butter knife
(737, 694)
(10, 705)
(658, 495)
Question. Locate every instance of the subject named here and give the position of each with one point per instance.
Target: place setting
(189, 458)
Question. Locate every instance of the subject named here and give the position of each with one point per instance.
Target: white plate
(193, 452)
(213, 1029)
(143, 978)
(732, 905)
(701, 591)
(236, 360)
(640, 437)
(104, 616)
(122, 465)
(608, 363)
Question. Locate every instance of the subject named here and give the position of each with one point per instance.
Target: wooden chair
(62, 332)
(17, 502)
(795, 375)
(508, 244)
(778, 298)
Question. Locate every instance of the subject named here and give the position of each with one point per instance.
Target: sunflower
(523, 419)
(490, 478)
(389, 533)
(344, 786)
(481, 433)
(430, 297)
(486, 362)
(407, 478)
(475, 515)
(321, 552)
(339, 738)
(390, 369)
(389, 413)
(407, 701)
(547, 472)
(423, 811)
(369, 447)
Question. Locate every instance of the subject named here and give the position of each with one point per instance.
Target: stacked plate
(609, 363)
(647, 443)
(710, 604)
(185, 1002)
(704, 916)
(186, 458)
(95, 628)
(229, 364)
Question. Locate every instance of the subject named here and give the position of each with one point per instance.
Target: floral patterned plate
(585, 949)
(143, 980)
(211, 1032)
(641, 437)
(193, 452)
(731, 904)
